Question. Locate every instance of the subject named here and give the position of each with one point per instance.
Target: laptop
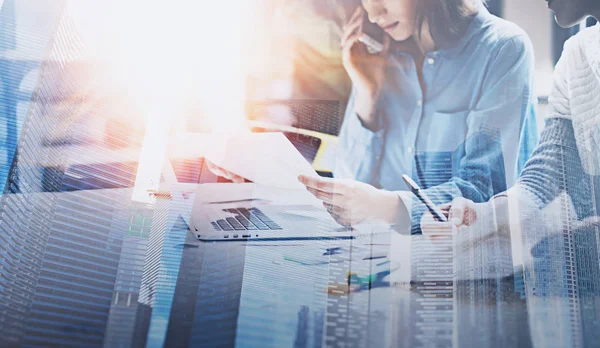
(274, 206)
(262, 220)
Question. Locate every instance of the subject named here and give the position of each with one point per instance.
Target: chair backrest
(323, 116)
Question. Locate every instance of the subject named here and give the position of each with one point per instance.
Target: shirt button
(409, 149)
(419, 103)
(430, 61)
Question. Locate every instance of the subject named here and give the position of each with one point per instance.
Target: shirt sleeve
(487, 161)
(359, 151)
(559, 96)
(535, 214)
(555, 165)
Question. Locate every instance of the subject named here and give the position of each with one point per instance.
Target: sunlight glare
(166, 54)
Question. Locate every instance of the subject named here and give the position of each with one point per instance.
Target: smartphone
(372, 35)
(416, 190)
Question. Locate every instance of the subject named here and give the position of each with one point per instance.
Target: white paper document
(267, 159)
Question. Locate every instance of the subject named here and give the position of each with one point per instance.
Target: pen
(416, 190)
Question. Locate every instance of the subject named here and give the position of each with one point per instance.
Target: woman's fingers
(336, 195)
(427, 220)
(326, 185)
(317, 183)
(431, 226)
(353, 26)
(471, 214)
(357, 57)
(357, 52)
(215, 169)
(354, 53)
(463, 212)
(436, 231)
(457, 211)
(340, 215)
(387, 43)
(327, 197)
(358, 13)
(236, 178)
(445, 207)
(341, 220)
(337, 210)
(349, 31)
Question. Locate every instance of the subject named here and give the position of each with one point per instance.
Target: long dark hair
(447, 19)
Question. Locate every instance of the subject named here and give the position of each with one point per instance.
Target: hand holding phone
(422, 196)
(366, 63)
(372, 35)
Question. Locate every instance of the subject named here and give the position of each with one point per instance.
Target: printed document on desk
(267, 159)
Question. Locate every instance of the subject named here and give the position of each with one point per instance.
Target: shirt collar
(482, 16)
(478, 21)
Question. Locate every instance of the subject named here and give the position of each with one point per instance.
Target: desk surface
(93, 268)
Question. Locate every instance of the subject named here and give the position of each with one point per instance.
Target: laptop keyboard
(252, 219)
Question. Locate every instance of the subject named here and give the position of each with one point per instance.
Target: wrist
(499, 210)
(390, 211)
(365, 107)
(485, 219)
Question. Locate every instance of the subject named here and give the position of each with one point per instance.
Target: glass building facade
(120, 327)
(83, 264)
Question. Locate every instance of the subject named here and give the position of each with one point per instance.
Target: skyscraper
(73, 295)
(487, 301)
(562, 280)
(25, 211)
(62, 249)
(121, 319)
(431, 297)
(24, 49)
(86, 229)
(431, 265)
(161, 267)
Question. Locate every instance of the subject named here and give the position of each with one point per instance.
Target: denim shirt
(466, 131)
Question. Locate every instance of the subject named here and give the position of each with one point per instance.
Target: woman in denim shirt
(448, 102)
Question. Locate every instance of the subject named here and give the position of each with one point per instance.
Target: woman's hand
(461, 212)
(433, 228)
(351, 202)
(367, 71)
(224, 173)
